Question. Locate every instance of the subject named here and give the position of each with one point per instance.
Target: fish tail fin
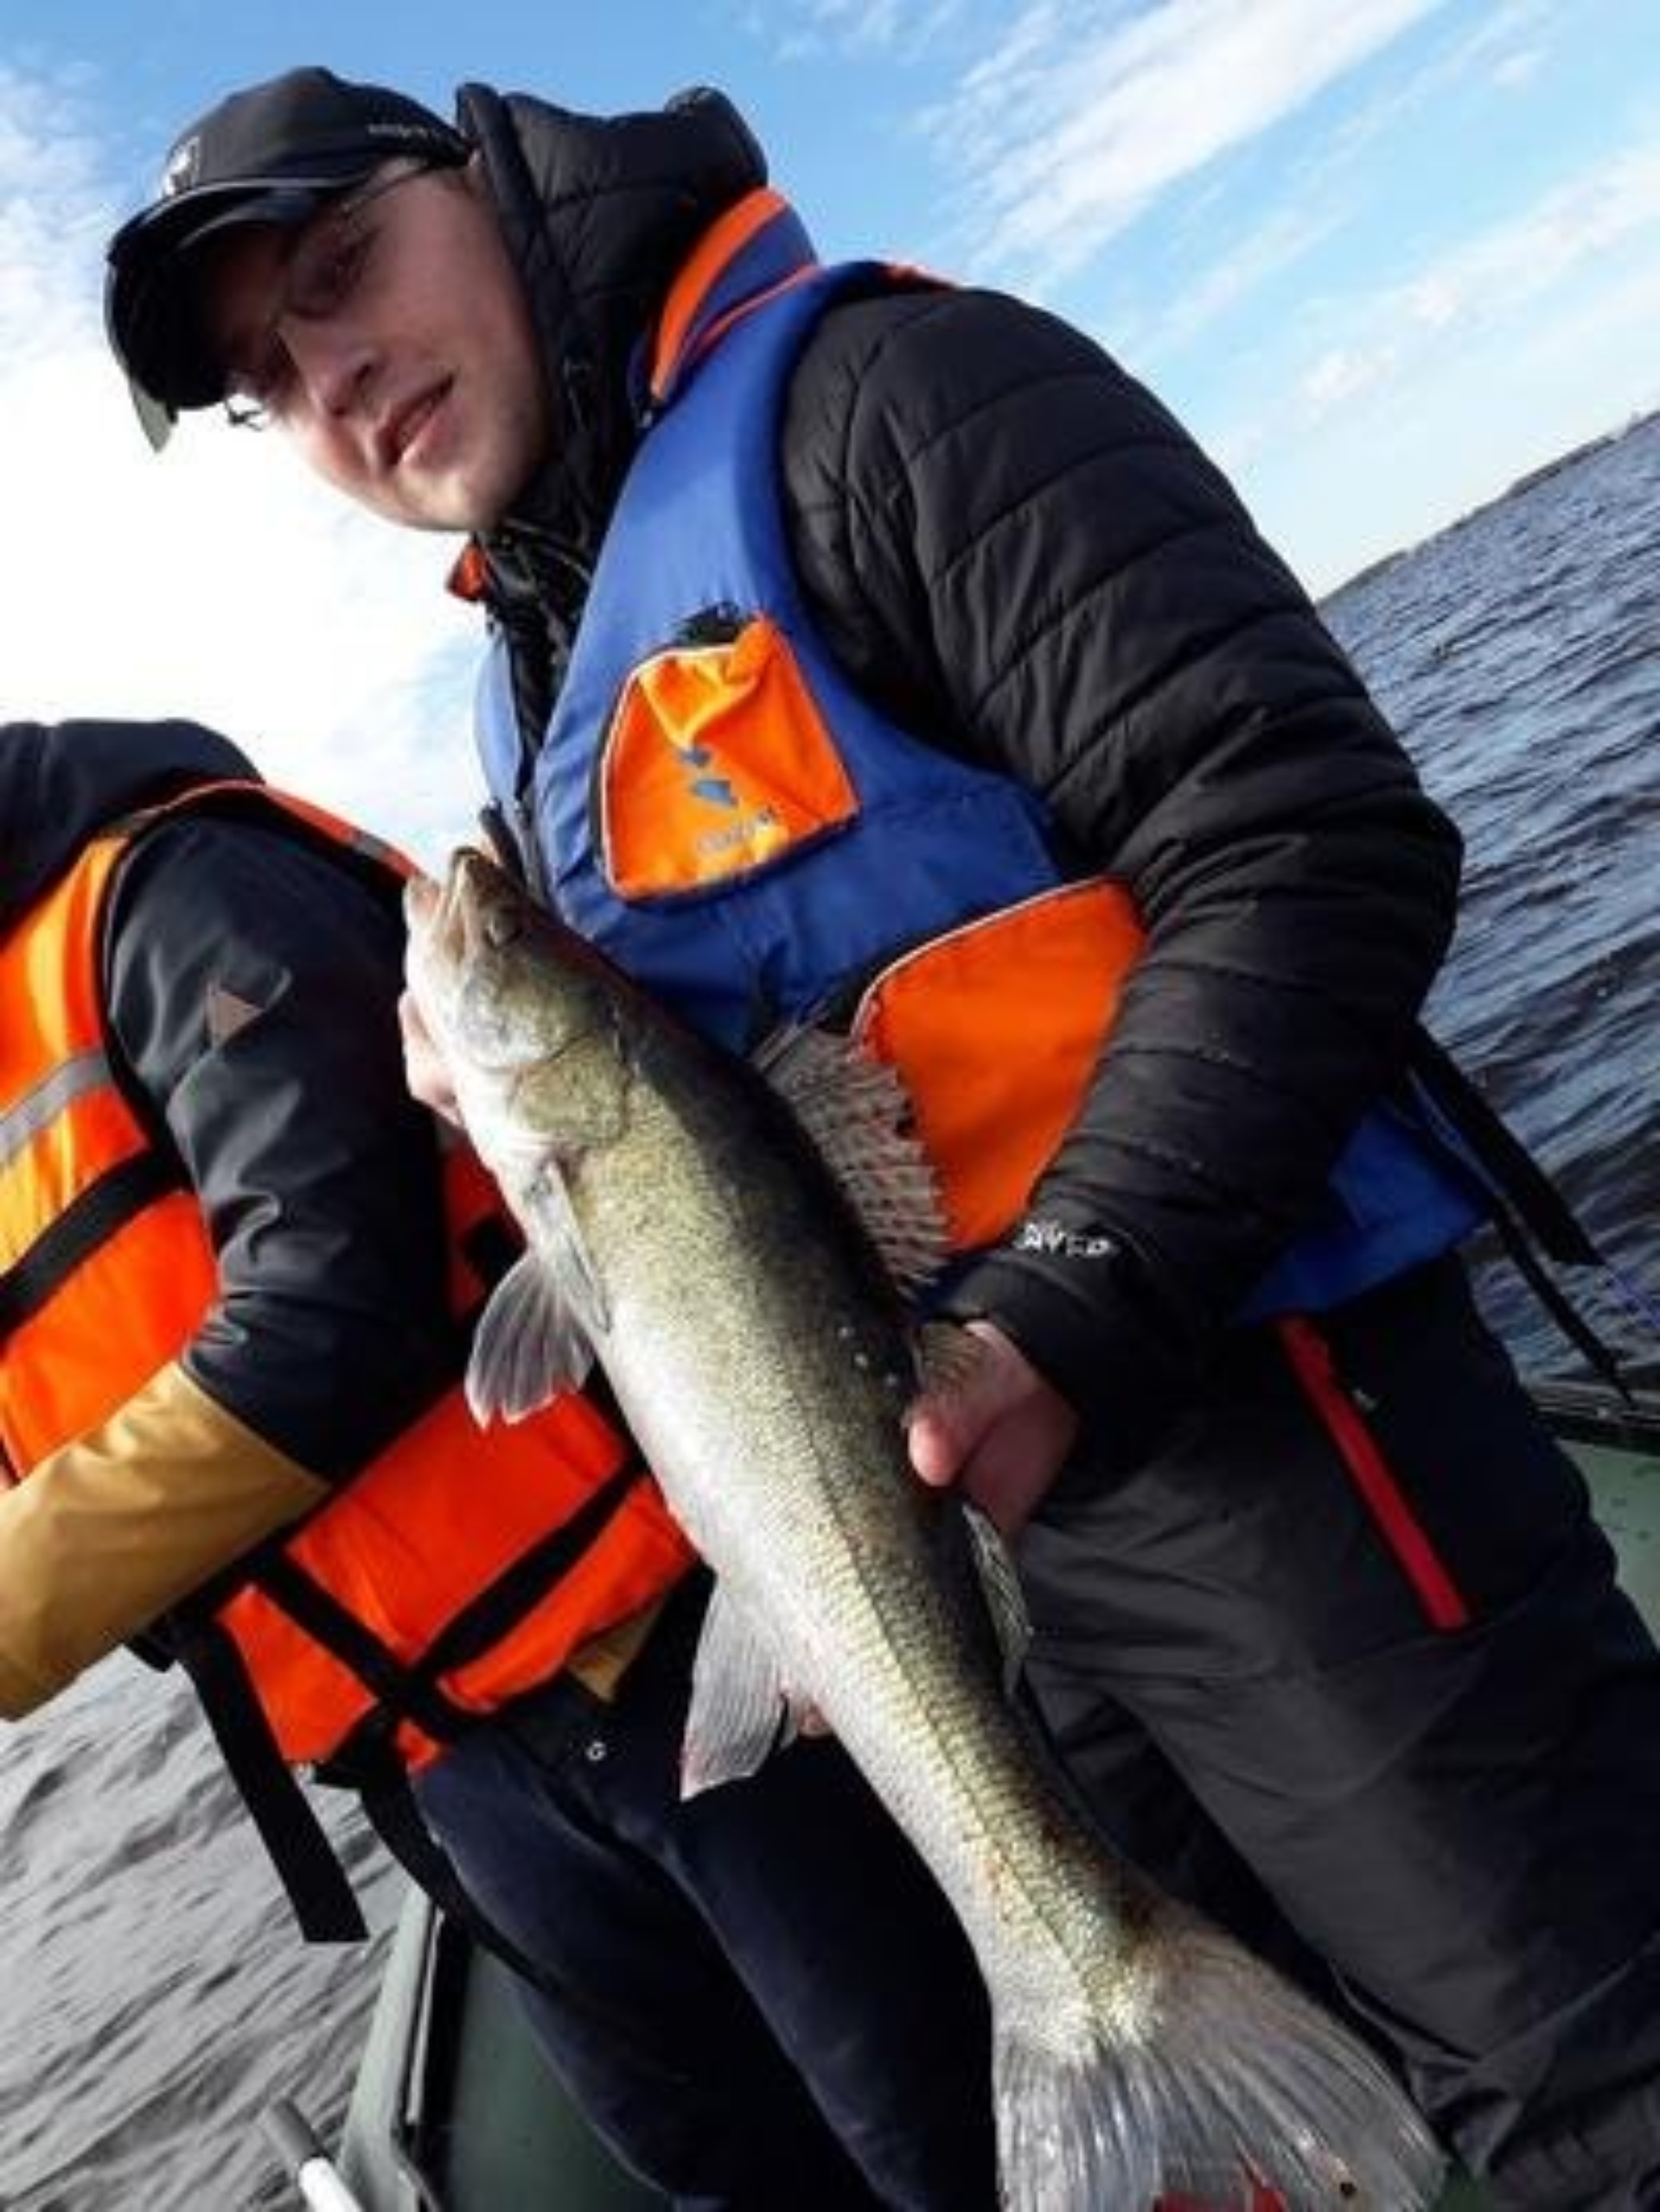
(1229, 2091)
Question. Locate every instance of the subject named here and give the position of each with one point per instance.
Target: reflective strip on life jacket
(39, 1109)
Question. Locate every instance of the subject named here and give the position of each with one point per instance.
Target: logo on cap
(182, 165)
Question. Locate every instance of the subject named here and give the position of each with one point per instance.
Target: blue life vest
(757, 909)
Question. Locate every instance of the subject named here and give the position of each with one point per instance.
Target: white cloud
(1076, 130)
(802, 29)
(1516, 70)
(214, 580)
(1338, 375)
(1327, 180)
(1492, 281)
(1181, 313)
(1422, 400)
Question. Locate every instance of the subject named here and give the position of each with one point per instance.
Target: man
(866, 649)
(237, 1281)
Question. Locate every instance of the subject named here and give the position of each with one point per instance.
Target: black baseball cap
(272, 154)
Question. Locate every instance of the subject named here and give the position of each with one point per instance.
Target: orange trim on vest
(719, 327)
(727, 235)
(996, 1029)
(469, 575)
(438, 1517)
(716, 761)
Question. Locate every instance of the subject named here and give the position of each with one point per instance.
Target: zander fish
(681, 1225)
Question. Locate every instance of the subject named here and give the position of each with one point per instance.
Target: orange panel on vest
(717, 761)
(440, 1517)
(996, 1029)
(114, 1325)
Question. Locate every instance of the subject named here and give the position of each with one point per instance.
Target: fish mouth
(458, 928)
(430, 915)
(452, 916)
(435, 915)
(422, 896)
(482, 905)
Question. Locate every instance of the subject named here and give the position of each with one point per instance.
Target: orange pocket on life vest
(716, 762)
(996, 1029)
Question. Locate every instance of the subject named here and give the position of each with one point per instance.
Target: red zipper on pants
(1313, 1365)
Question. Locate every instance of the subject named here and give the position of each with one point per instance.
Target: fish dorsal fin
(536, 1335)
(857, 1112)
(948, 1357)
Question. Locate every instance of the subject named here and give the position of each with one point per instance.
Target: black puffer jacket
(1019, 552)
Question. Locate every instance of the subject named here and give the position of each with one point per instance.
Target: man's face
(389, 339)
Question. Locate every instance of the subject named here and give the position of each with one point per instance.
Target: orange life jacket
(455, 1571)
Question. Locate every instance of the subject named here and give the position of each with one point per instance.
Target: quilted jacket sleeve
(253, 984)
(1017, 548)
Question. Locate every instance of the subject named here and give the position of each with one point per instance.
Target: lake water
(154, 1997)
(1519, 654)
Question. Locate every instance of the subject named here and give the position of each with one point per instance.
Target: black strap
(389, 1801)
(310, 1873)
(88, 1222)
(531, 1575)
(1530, 1213)
(406, 1693)
(1538, 1205)
(305, 1858)
(1598, 1356)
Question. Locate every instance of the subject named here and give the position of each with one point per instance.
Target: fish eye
(502, 925)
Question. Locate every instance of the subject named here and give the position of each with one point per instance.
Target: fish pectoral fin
(1005, 1599)
(857, 1113)
(556, 1234)
(529, 1346)
(741, 1711)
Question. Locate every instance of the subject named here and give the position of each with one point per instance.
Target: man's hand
(996, 1428)
(425, 1069)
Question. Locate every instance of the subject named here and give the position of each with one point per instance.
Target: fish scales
(820, 1371)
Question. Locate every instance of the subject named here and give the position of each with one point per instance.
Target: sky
(1381, 257)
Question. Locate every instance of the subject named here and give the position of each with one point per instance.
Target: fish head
(521, 1008)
